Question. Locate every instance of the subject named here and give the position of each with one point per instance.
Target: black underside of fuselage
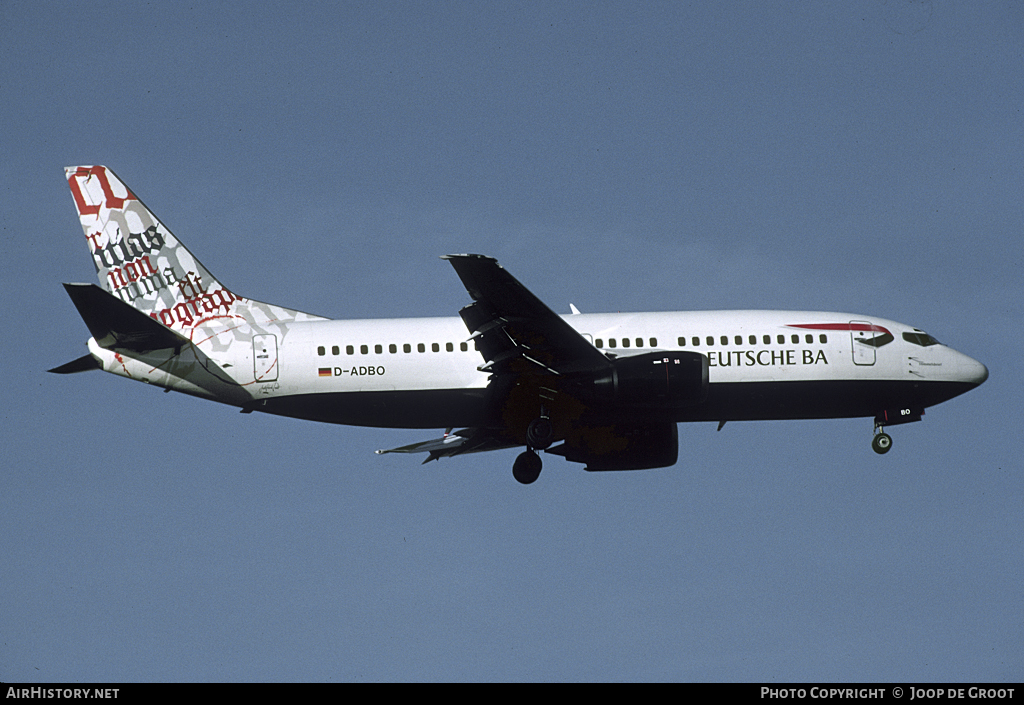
(817, 400)
(431, 408)
(747, 401)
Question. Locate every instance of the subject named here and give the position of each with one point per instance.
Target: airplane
(606, 390)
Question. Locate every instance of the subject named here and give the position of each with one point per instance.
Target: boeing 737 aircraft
(603, 389)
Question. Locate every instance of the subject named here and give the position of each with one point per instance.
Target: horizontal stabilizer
(445, 446)
(469, 440)
(82, 364)
(115, 324)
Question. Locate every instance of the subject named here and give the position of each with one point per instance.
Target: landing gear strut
(539, 435)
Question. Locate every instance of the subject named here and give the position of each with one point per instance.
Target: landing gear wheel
(527, 467)
(540, 433)
(881, 443)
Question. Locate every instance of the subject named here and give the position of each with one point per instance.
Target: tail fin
(138, 260)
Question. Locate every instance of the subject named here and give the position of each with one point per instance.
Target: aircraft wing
(514, 330)
(525, 345)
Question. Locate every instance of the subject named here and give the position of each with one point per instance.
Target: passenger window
(449, 347)
(599, 343)
(407, 348)
(463, 347)
(611, 342)
(710, 340)
(795, 338)
(321, 351)
(639, 342)
(378, 349)
(725, 340)
(421, 347)
(752, 340)
(681, 342)
(335, 350)
(739, 340)
(823, 338)
(435, 347)
(363, 350)
(625, 342)
(392, 348)
(696, 342)
(654, 342)
(767, 340)
(781, 339)
(809, 338)
(349, 350)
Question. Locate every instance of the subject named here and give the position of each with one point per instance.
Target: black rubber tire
(540, 433)
(527, 467)
(881, 443)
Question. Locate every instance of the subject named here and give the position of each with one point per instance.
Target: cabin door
(861, 338)
(264, 356)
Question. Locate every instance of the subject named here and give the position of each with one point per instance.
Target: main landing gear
(882, 442)
(527, 467)
(539, 435)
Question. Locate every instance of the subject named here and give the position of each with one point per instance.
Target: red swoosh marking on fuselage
(866, 327)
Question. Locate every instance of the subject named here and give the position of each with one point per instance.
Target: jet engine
(622, 446)
(656, 379)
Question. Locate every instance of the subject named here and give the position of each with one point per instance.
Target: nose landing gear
(882, 442)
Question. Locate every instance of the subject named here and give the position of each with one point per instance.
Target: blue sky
(862, 157)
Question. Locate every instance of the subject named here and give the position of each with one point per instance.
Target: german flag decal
(325, 371)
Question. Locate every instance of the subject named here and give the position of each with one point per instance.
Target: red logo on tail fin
(109, 199)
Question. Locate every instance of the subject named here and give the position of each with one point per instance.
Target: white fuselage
(742, 347)
(773, 364)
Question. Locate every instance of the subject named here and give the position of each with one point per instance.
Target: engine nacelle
(657, 379)
(622, 446)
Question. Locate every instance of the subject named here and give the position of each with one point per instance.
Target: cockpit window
(922, 339)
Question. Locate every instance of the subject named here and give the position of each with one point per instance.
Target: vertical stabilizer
(138, 260)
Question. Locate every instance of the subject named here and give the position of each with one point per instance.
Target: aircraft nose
(973, 371)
